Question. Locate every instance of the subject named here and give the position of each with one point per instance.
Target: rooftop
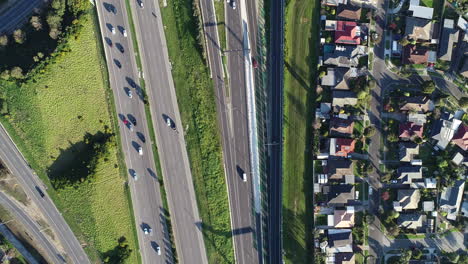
(417, 104)
(406, 174)
(418, 28)
(347, 32)
(338, 169)
(340, 194)
(415, 54)
(451, 198)
(407, 151)
(449, 38)
(408, 130)
(410, 221)
(420, 11)
(461, 137)
(341, 147)
(341, 127)
(343, 56)
(349, 11)
(409, 198)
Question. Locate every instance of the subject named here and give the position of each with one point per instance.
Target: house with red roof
(341, 147)
(347, 32)
(461, 137)
(409, 130)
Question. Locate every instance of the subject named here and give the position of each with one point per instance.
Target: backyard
(301, 33)
(54, 135)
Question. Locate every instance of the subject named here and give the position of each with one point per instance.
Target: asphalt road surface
(32, 228)
(15, 162)
(274, 132)
(17, 14)
(145, 189)
(233, 119)
(178, 182)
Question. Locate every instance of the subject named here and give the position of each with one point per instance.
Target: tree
(371, 84)
(17, 73)
(362, 95)
(5, 75)
(417, 253)
(406, 255)
(463, 102)
(418, 140)
(3, 41)
(54, 21)
(404, 42)
(19, 36)
(428, 87)
(369, 131)
(392, 137)
(36, 22)
(393, 230)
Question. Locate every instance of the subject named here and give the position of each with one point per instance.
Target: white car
(158, 250)
(124, 32)
(244, 177)
(147, 230)
(130, 94)
(234, 5)
(140, 151)
(113, 30)
(228, 1)
(135, 175)
(168, 122)
(130, 126)
(140, 3)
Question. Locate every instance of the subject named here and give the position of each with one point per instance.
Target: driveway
(453, 241)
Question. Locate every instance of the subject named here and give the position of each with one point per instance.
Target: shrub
(369, 131)
(463, 102)
(19, 36)
(3, 40)
(36, 22)
(17, 73)
(428, 87)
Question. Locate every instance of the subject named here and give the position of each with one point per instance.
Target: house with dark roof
(340, 127)
(342, 98)
(407, 151)
(419, 29)
(408, 199)
(340, 241)
(410, 221)
(410, 130)
(461, 137)
(344, 258)
(338, 78)
(415, 54)
(339, 194)
(444, 129)
(406, 174)
(448, 39)
(342, 218)
(342, 147)
(339, 168)
(343, 56)
(347, 32)
(451, 198)
(350, 12)
(420, 104)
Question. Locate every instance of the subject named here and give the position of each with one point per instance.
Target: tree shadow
(118, 254)
(78, 162)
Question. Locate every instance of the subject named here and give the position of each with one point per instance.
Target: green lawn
(299, 91)
(195, 95)
(48, 119)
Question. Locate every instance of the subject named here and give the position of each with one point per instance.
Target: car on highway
(117, 62)
(158, 250)
(147, 230)
(140, 3)
(119, 47)
(244, 177)
(140, 151)
(169, 123)
(132, 119)
(124, 32)
(141, 137)
(112, 29)
(129, 93)
(41, 193)
(134, 175)
(254, 63)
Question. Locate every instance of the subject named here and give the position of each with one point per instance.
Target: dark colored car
(41, 193)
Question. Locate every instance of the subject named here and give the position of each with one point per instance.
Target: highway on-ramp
(145, 189)
(178, 182)
(18, 166)
(32, 228)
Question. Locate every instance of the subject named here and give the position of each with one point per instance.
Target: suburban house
(420, 11)
(342, 218)
(406, 174)
(342, 258)
(410, 130)
(419, 29)
(323, 111)
(334, 2)
(420, 104)
(343, 56)
(341, 147)
(428, 206)
(340, 240)
(417, 118)
(339, 194)
(340, 127)
(448, 39)
(451, 198)
(461, 137)
(407, 151)
(342, 98)
(408, 199)
(339, 169)
(458, 159)
(338, 78)
(346, 32)
(350, 12)
(444, 130)
(410, 221)
(415, 54)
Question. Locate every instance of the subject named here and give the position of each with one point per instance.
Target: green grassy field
(195, 94)
(300, 61)
(48, 119)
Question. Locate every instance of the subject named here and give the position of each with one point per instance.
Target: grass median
(301, 33)
(196, 99)
(50, 117)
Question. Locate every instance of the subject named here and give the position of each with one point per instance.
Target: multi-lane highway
(176, 171)
(274, 132)
(33, 229)
(233, 120)
(16, 164)
(123, 76)
(16, 14)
